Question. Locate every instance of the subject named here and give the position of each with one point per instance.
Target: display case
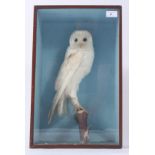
(100, 92)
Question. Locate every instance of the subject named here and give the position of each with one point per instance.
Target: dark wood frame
(31, 144)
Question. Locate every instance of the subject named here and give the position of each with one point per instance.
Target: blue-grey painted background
(98, 92)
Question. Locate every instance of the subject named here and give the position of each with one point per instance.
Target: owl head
(81, 39)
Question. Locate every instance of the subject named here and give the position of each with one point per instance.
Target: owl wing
(67, 70)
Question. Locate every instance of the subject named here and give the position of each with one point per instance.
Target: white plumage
(77, 64)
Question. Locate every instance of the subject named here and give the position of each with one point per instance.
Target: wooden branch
(81, 116)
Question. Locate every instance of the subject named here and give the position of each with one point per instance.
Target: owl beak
(81, 44)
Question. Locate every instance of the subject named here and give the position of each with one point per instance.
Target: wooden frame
(32, 145)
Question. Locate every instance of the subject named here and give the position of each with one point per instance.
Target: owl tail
(59, 106)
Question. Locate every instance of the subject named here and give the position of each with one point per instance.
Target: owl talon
(79, 108)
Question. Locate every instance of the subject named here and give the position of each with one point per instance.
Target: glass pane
(98, 92)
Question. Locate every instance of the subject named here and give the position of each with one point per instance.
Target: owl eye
(75, 39)
(84, 39)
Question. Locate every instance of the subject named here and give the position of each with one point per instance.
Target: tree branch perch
(81, 116)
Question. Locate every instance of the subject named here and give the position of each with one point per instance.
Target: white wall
(28, 55)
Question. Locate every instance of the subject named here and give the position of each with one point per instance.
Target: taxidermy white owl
(77, 64)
